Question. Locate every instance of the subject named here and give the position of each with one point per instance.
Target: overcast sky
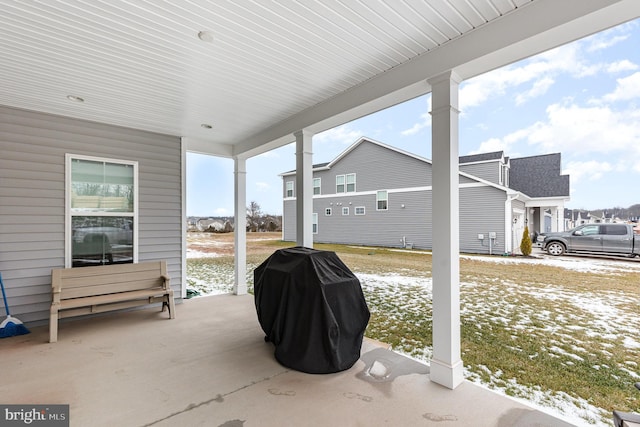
(581, 100)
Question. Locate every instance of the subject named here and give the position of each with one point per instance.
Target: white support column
(304, 189)
(541, 219)
(554, 219)
(240, 232)
(446, 364)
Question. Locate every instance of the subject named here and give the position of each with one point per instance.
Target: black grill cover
(311, 306)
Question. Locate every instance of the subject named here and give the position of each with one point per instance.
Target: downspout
(508, 223)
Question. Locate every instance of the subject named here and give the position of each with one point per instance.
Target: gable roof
(539, 176)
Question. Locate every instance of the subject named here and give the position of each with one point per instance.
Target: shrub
(525, 245)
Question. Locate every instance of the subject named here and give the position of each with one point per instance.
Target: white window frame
(343, 184)
(379, 199)
(355, 210)
(314, 223)
(347, 183)
(318, 187)
(70, 212)
(289, 187)
(345, 210)
(327, 211)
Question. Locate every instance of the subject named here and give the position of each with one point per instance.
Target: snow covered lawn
(561, 333)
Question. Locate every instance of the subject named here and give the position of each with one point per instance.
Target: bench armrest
(166, 281)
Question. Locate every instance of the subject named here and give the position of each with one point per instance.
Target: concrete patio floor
(211, 367)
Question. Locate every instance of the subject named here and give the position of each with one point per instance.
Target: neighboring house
(375, 194)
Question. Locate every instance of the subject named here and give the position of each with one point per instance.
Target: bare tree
(254, 214)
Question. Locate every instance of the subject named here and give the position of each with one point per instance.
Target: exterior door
(587, 238)
(615, 238)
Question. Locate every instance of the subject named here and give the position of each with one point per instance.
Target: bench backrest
(107, 279)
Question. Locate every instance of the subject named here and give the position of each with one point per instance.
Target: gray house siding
(408, 218)
(413, 222)
(32, 198)
(490, 201)
(373, 166)
(489, 171)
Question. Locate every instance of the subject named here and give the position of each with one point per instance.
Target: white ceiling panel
(269, 66)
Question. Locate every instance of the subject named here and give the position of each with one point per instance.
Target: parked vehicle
(613, 239)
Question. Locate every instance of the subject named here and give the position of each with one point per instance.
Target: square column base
(450, 376)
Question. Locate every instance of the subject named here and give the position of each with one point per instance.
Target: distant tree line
(257, 221)
(630, 213)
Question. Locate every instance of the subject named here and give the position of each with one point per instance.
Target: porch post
(446, 364)
(240, 230)
(304, 189)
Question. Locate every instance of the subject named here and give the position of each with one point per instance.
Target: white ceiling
(273, 67)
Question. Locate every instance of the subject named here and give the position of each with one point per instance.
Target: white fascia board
(201, 146)
(533, 28)
(546, 201)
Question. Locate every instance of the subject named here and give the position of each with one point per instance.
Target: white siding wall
(32, 183)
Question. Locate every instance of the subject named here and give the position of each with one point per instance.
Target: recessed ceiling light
(75, 98)
(206, 126)
(206, 36)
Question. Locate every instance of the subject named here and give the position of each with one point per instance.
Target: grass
(526, 329)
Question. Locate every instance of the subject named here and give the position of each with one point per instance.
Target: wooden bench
(85, 290)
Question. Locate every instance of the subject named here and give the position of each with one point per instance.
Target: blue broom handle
(4, 296)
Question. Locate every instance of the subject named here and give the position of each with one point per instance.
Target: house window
(504, 175)
(345, 210)
(102, 207)
(327, 212)
(289, 191)
(382, 199)
(316, 186)
(351, 183)
(339, 183)
(359, 210)
(314, 223)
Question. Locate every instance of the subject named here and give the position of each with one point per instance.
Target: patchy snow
(192, 253)
(583, 326)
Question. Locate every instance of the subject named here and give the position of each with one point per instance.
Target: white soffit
(264, 69)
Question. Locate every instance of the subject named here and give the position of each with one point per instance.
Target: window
(102, 211)
(345, 210)
(316, 186)
(314, 223)
(351, 183)
(588, 230)
(339, 183)
(359, 210)
(327, 212)
(613, 230)
(382, 199)
(289, 192)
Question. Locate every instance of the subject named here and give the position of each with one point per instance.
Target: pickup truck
(611, 239)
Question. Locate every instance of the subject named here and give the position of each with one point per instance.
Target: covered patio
(211, 367)
(141, 83)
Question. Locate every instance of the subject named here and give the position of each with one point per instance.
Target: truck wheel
(555, 248)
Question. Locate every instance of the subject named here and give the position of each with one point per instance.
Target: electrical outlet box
(492, 234)
(481, 236)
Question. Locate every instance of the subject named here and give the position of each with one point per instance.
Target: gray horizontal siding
(481, 212)
(32, 185)
(377, 168)
(489, 171)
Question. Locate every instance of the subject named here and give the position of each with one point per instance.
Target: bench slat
(105, 299)
(98, 280)
(111, 287)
